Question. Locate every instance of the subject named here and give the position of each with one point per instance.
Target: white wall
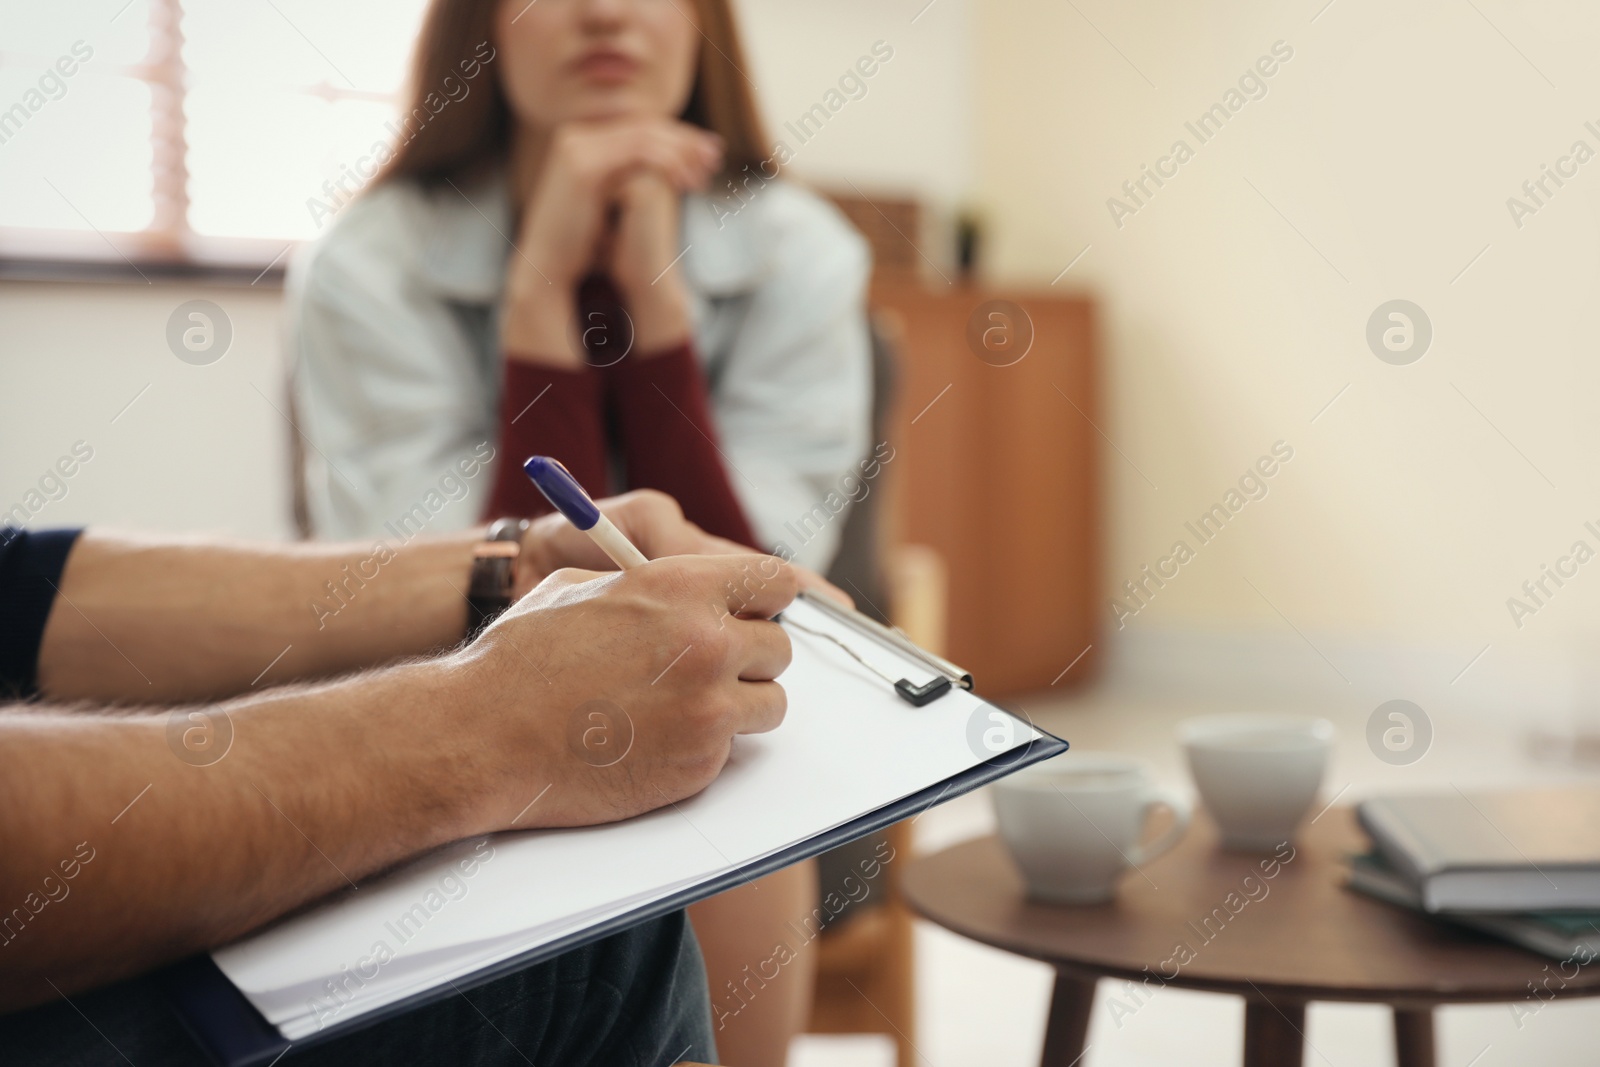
(911, 131)
(202, 448)
(1377, 167)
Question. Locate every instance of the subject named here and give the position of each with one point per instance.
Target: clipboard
(837, 651)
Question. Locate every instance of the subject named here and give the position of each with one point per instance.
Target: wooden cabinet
(997, 468)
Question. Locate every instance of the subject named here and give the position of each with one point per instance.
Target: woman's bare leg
(761, 962)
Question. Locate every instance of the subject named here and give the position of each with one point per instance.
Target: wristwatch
(494, 573)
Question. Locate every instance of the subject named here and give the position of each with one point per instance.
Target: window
(188, 131)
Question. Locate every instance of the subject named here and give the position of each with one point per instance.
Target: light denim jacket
(393, 331)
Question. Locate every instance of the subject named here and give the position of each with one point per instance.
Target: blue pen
(567, 496)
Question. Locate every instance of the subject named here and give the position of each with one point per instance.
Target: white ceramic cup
(1257, 774)
(1073, 824)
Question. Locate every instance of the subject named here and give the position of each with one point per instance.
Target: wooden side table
(1280, 942)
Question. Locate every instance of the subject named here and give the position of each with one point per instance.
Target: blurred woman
(580, 247)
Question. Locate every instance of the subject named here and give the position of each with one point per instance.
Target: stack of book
(1523, 867)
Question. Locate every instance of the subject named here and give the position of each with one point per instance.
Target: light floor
(979, 1007)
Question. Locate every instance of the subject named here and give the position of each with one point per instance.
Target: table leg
(1068, 1029)
(1413, 1037)
(1274, 1033)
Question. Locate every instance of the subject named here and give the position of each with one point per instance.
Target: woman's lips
(607, 67)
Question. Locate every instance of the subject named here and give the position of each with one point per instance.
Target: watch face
(508, 530)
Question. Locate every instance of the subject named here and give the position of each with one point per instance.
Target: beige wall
(910, 130)
(1423, 498)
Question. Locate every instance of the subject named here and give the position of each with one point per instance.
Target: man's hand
(622, 692)
(651, 520)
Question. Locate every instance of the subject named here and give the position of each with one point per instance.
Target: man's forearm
(137, 837)
(131, 855)
(151, 622)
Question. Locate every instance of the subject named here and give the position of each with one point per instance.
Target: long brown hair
(472, 132)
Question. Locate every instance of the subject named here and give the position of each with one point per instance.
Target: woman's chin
(600, 104)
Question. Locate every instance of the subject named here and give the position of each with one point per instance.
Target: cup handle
(1179, 806)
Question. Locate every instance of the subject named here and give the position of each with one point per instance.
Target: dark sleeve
(547, 411)
(662, 412)
(30, 570)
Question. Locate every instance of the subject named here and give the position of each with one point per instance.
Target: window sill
(141, 258)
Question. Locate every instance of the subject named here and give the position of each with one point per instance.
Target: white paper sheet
(849, 745)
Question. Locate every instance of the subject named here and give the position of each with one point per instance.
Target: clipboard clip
(918, 695)
(946, 674)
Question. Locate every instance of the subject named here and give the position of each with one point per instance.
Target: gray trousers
(635, 999)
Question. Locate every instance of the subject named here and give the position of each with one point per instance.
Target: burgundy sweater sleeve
(662, 413)
(547, 411)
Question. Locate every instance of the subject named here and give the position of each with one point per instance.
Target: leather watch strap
(494, 573)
